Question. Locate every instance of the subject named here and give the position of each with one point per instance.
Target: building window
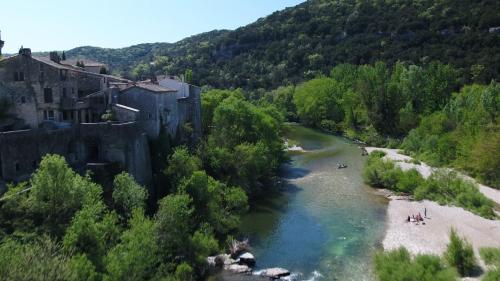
(41, 78)
(47, 95)
(34, 164)
(18, 167)
(72, 91)
(150, 116)
(23, 99)
(19, 76)
(48, 115)
(63, 74)
(64, 94)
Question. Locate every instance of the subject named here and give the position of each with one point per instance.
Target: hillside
(308, 39)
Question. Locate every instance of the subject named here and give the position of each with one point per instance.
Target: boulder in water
(238, 268)
(275, 273)
(247, 259)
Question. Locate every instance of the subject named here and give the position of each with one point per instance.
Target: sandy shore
(433, 237)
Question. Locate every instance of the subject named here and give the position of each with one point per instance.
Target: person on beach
(408, 219)
(425, 212)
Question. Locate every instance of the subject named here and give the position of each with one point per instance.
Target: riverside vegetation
(442, 187)
(60, 225)
(398, 265)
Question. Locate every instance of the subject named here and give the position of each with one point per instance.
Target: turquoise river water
(327, 223)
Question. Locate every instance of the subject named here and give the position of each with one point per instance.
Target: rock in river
(238, 268)
(247, 259)
(275, 273)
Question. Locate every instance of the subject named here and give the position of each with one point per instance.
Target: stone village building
(58, 108)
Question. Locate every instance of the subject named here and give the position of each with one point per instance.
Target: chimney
(1, 43)
(54, 56)
(25, 51)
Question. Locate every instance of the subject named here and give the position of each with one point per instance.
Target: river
(326, 224)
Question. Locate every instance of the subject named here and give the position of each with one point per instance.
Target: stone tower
(1, 43)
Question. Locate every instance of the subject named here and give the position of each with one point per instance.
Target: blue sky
(45, 25)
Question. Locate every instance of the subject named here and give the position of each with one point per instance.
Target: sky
(46, 25)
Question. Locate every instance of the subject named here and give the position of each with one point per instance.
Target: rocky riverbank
(241, 262)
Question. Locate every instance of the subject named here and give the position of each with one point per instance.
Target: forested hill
(300, 42)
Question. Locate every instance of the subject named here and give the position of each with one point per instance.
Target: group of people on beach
(417, 218)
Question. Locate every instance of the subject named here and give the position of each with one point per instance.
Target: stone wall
(190, 110)
(155, 109)
(125, 144)
(124, 113)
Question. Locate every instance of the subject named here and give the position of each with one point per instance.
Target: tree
(57, 193)
(39, 260)
(181, 165)
(82, 269)
(136, 256)
(188, 76)
(92, 232)
(63, 56)
(127, 194)
(318, 100)
(173, 223)
(460, 255)
(379, 93)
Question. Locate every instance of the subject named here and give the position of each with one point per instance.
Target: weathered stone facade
(60, 109)
(124, 144)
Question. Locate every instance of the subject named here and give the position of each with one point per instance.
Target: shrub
(460, 255)
(398, 265)
(491, 256)
(449, 188)
(493, 275)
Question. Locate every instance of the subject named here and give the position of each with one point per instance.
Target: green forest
(302, 42)
(423, 109)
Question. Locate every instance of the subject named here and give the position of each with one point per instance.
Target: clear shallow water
(327, 223)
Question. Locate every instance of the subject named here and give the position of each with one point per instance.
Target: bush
(449, 188)
(493, 275)
(491, 256)
(375, 170)
(398, 265)
(442, 187)
(460, 255)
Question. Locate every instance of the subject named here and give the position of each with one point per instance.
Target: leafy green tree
(188, 76)
(210, 100)
(214, 202)
(460, 255)
(184, 272)
(39, 260)
(203, 244)
(318, 100)
(82, 269)
(57, 193)
(380, 96)
(173, 223)
(137, 255)
(92, 232)
(127, 194)
(181, 165)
